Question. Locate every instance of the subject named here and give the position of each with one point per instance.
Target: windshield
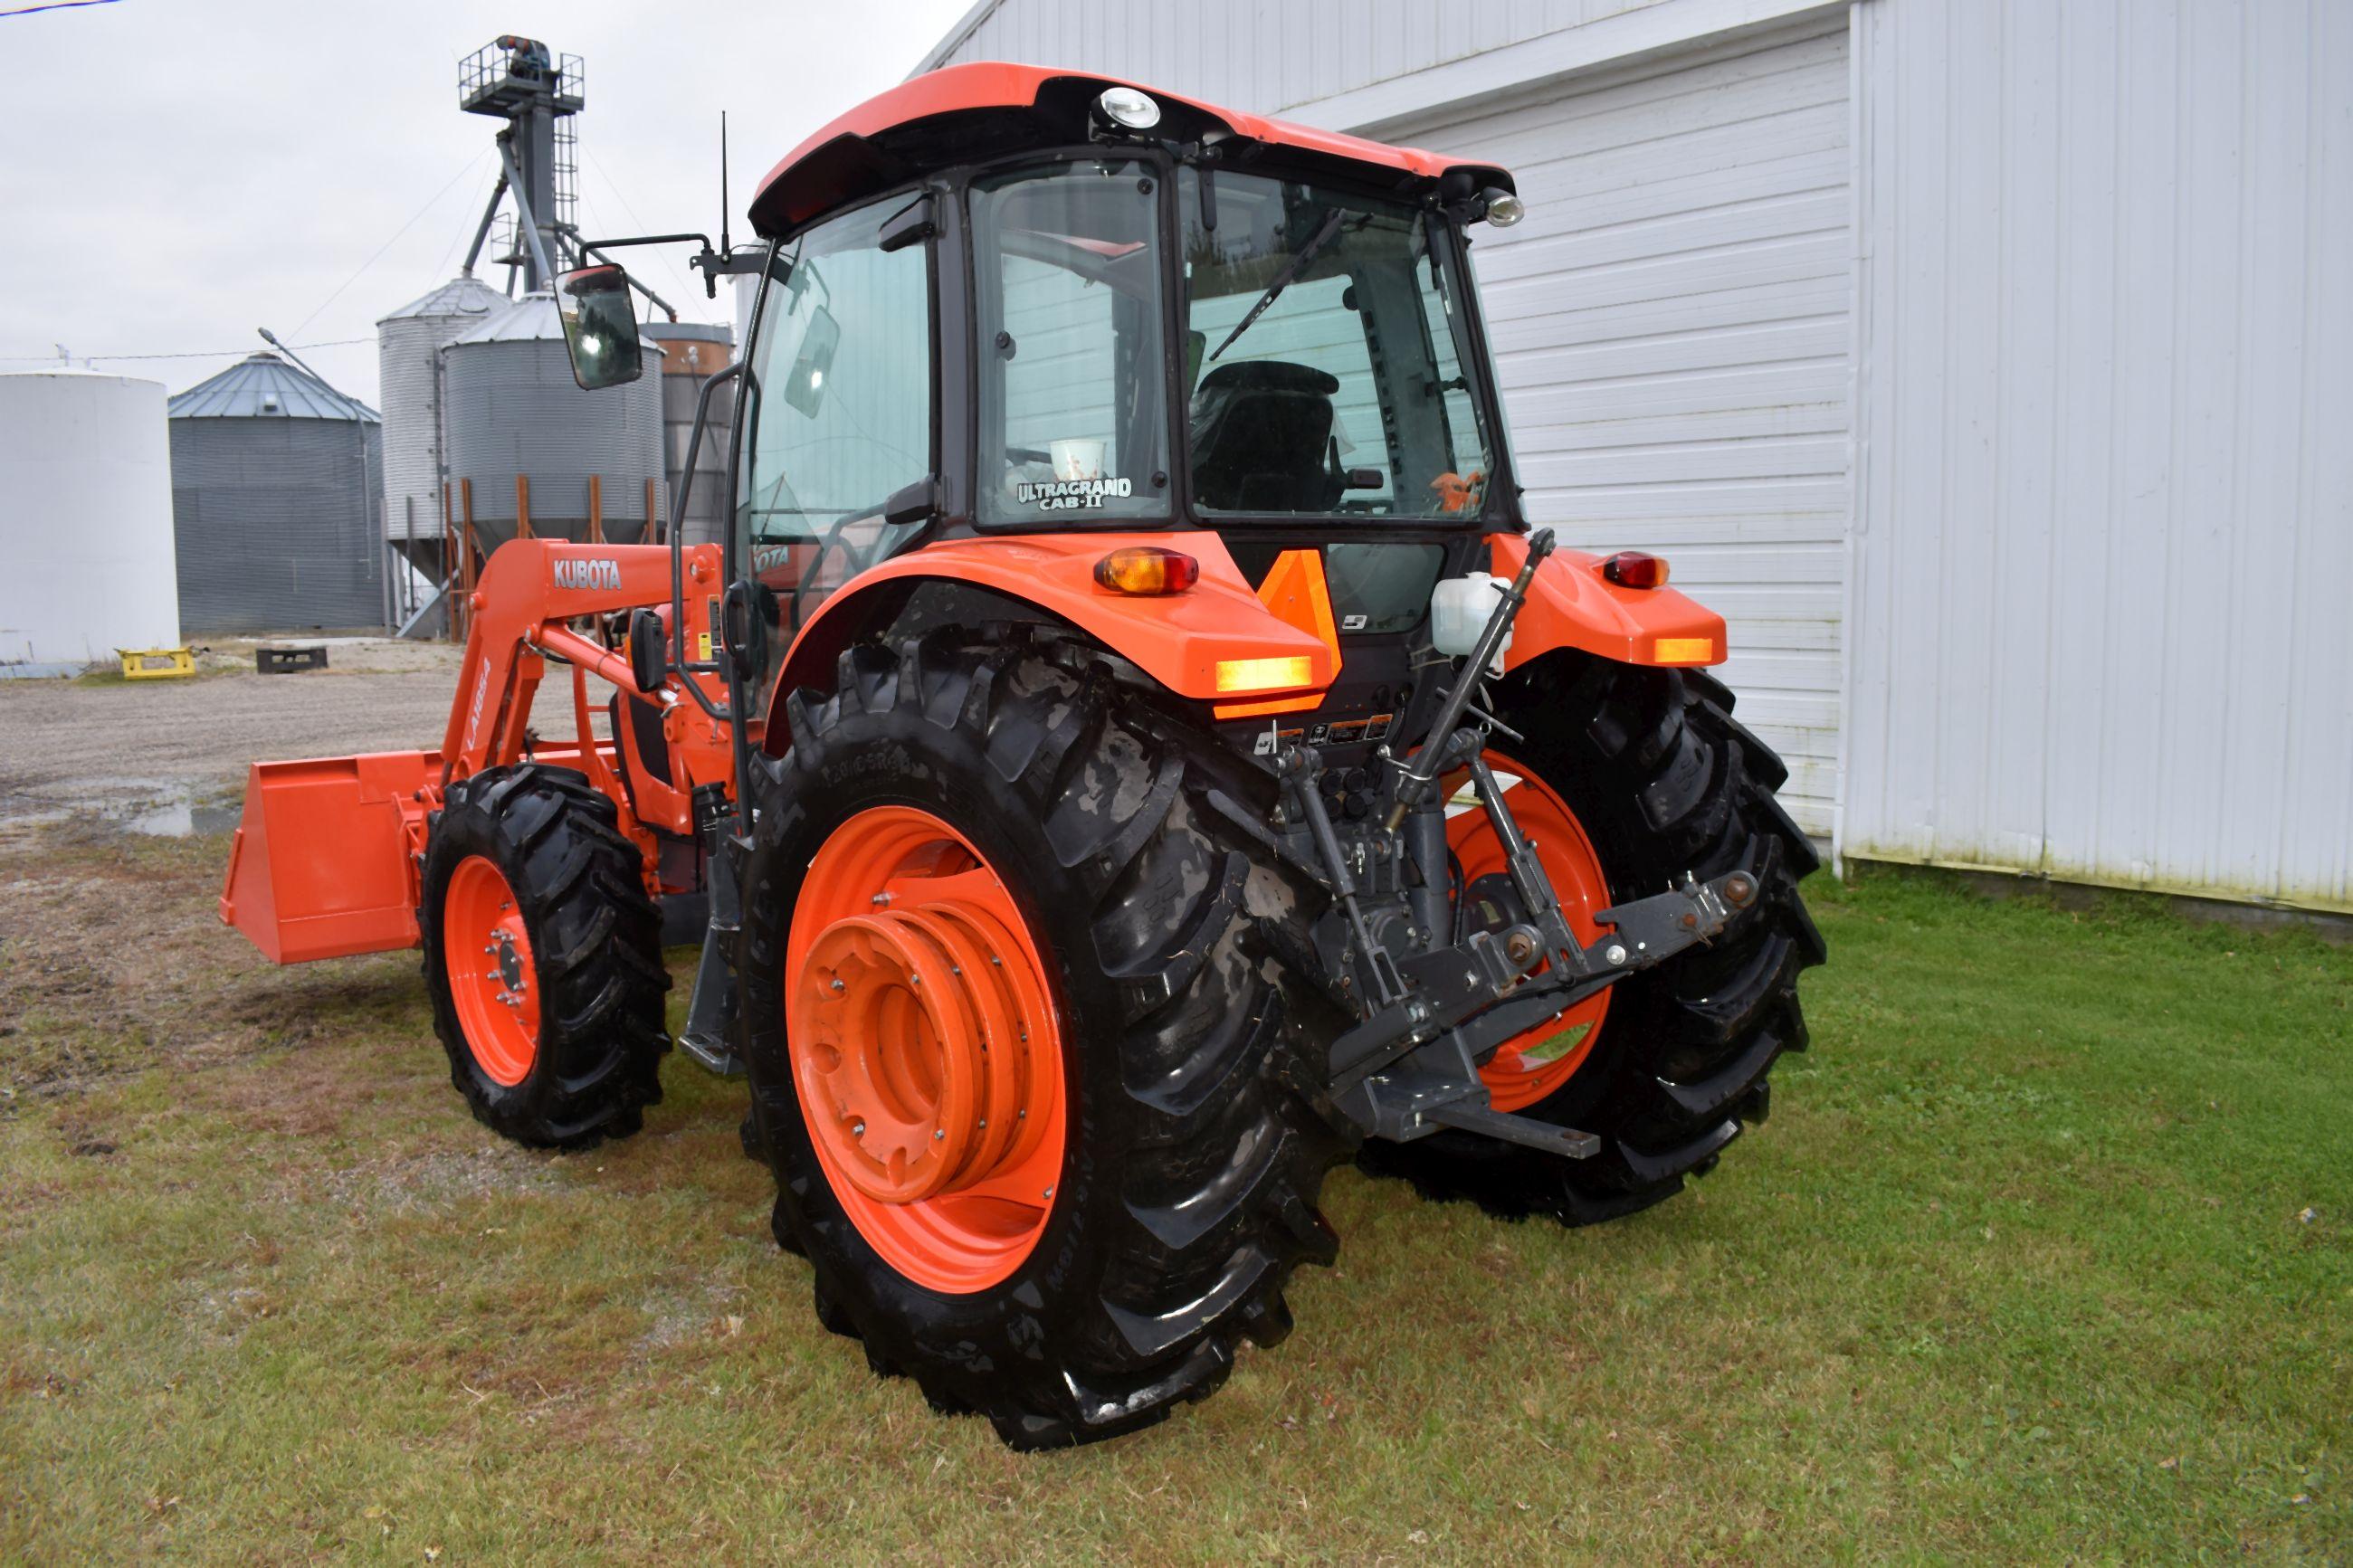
(1324, 355)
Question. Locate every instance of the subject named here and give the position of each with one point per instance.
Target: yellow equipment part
(157, 663)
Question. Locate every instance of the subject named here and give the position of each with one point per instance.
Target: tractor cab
(1001, 299)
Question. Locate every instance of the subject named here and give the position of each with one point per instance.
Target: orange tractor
(1134, 750)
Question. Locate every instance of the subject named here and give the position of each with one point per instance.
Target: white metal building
(1988, 363)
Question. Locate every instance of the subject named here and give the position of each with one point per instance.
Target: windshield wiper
(1307, 253)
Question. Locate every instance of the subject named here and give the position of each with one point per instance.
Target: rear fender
(1572, 605)
(1178, 639)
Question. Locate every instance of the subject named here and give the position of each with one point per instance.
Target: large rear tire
(1067, 1296)
(543, 955)
(1660, 780)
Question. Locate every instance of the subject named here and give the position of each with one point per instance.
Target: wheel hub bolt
(857, 1130)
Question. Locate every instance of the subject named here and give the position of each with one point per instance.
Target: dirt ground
(170, 756)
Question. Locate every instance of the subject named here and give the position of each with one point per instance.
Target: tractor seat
(1259, 430)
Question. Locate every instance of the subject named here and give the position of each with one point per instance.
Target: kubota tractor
(1135, 753)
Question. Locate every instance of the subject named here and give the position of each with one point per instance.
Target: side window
(837, 411)
(1074, 427)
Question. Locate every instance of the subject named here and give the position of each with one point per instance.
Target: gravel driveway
(171, 755)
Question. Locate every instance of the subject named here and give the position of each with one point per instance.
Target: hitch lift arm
(1405, 1067)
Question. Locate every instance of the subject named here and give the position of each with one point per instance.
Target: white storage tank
(86, 555)
(409, 362)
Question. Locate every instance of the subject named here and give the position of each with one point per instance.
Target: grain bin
(692, 351)
(276, 482)
(408, 361)
(512, 412)
(85, 519)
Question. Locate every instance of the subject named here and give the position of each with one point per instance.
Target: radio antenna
(723, 245)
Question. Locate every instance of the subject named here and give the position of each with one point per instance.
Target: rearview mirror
(600, 326)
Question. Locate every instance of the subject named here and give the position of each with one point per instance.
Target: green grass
(2042, 1256)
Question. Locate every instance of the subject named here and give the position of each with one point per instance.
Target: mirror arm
(712, 264)
(678, 548)
(652, 298)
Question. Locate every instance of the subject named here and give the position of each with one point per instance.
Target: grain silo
(692, 351)
(275, 480)
(527, 446)
(408, 359)
(85, 519)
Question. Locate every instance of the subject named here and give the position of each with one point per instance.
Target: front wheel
(1027, 1100)
(542, 956)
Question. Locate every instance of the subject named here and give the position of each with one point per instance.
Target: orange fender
(1572, 605)
(1178, 639)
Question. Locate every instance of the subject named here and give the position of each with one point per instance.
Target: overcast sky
(174, 173)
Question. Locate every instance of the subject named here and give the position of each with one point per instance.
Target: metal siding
(2105, 504)
(1265, 58)
(1672, 333)
(274, 526)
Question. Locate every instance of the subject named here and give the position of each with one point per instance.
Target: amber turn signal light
(1146, 570)
(1632, 569)
(1239, 676)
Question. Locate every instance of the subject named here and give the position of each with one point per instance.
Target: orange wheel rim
(487, 954)
(926, 1051)
(1530, 1066)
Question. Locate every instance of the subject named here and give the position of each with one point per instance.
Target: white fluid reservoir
(1460, 609)
(86, 555)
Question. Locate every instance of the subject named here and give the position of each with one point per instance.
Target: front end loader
(1134, 746)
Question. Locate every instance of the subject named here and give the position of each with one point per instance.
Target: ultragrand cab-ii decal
(1073, 495)
(588, 572)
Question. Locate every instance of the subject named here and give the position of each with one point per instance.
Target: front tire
(542, 956)
(1134, 1260)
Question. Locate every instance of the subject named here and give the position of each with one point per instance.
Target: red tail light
(1632, 569)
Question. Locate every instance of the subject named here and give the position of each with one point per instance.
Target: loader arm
(324, 862)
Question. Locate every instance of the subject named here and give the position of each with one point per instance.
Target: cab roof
(964, 112)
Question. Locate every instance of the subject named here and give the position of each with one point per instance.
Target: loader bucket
(324, 864)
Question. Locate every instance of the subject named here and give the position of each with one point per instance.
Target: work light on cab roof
(1135, 749)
